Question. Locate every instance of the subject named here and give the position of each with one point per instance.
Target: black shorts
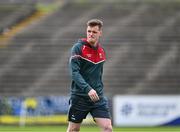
(80, 107)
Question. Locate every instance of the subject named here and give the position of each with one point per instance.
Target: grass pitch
(84, 129)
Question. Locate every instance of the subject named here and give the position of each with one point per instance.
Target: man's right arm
(75, 69)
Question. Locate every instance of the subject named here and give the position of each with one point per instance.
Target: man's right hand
(93, 95)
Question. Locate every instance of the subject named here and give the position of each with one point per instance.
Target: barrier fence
(127, 111)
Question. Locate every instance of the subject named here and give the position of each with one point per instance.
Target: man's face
(93, 34)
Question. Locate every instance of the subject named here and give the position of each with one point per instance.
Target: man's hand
(93, 95)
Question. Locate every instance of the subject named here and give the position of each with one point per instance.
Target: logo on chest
(89, 55)
(100, 55)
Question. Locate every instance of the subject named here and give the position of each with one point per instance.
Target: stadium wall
(127, 110)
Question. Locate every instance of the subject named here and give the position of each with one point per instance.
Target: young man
(86, 66)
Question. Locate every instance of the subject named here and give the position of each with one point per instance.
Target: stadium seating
(141, 40)
(13, 12)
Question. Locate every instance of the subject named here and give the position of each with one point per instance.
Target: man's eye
(92, 31)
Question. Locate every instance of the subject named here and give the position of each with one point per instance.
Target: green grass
(84, 129)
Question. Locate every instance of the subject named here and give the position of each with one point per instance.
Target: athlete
(86, 68)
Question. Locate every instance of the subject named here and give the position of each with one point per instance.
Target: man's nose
(91, 33)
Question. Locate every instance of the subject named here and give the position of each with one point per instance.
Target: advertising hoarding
(146, 110)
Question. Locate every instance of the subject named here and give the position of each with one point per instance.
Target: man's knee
(107, 128)
(73, 129)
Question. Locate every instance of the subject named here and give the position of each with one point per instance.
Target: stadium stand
(13, 12)
(141, 40)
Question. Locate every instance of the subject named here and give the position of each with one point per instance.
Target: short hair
(95, 22)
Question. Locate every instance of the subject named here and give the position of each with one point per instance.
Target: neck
(93, 44)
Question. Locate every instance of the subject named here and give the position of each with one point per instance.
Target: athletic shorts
(80, 107)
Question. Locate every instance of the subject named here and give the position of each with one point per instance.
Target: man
(86, 66)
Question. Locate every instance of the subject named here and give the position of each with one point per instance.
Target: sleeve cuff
(88, 89)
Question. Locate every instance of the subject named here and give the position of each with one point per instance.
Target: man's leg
(104, 123)
(73, 127)
(75, 117)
